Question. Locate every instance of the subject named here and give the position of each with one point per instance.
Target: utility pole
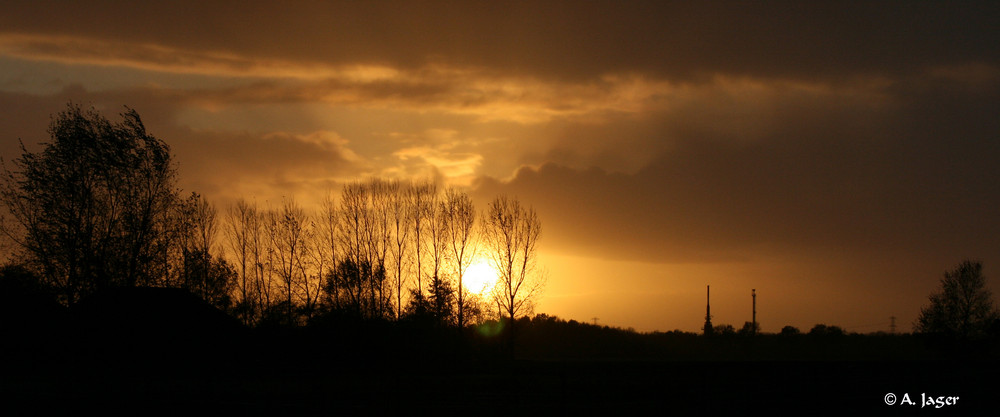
(753, 293)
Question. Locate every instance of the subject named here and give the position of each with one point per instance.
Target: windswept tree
(93, 208)
(963, 308)
(510, 235)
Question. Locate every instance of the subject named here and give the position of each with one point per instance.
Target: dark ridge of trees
(550, 338)
(822, 330)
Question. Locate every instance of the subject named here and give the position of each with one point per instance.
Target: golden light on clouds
(482, 93)
(677, 142)
(153, 57)
(456, 168)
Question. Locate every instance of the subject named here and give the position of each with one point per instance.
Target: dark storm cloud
(912, 172)
(561, 40)
(777, 124)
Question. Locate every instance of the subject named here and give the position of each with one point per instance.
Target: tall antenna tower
(892, 324)
(753, 293)
(708, 310)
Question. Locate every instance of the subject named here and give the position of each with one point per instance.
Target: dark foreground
(158, 359)
(503, 388)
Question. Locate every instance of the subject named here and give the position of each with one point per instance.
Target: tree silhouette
(964, 306)
(422, 200)
(363, 233)
(242, 232)
(724, 329)
(510, 234)
(790, 331)
(459, 218)
(437, 306)
(288, 235)
(822, 330)
(749, 329)
(402, 217)
(201, 271)
(92, 210)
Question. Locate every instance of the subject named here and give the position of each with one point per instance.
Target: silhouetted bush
(725, 329)
(749, 329)
(790, 331)
(822, 330)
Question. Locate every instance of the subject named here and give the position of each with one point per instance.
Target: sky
(837, 158)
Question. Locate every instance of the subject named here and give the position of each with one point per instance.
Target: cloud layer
(728, 137)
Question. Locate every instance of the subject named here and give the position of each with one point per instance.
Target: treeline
(385, 249)
(545, 337)
(98, 208)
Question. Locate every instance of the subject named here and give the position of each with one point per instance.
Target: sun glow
(479, 277)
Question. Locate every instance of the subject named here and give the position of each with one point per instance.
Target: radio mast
(708, 310)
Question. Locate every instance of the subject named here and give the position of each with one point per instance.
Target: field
(379, 371)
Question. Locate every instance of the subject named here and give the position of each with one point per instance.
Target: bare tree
(380, 238)
(423, 207)
(402, 219)
(326, 252)
(240, 227)
(364, 235)
(201, 270)
(347, 276)
(510, 234)
(458, 218)
(263, 256)
(287, 233)
(440, 285)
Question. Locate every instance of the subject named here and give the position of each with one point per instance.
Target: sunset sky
(837, 157)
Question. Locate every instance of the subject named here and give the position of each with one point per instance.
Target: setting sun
(479, 277)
